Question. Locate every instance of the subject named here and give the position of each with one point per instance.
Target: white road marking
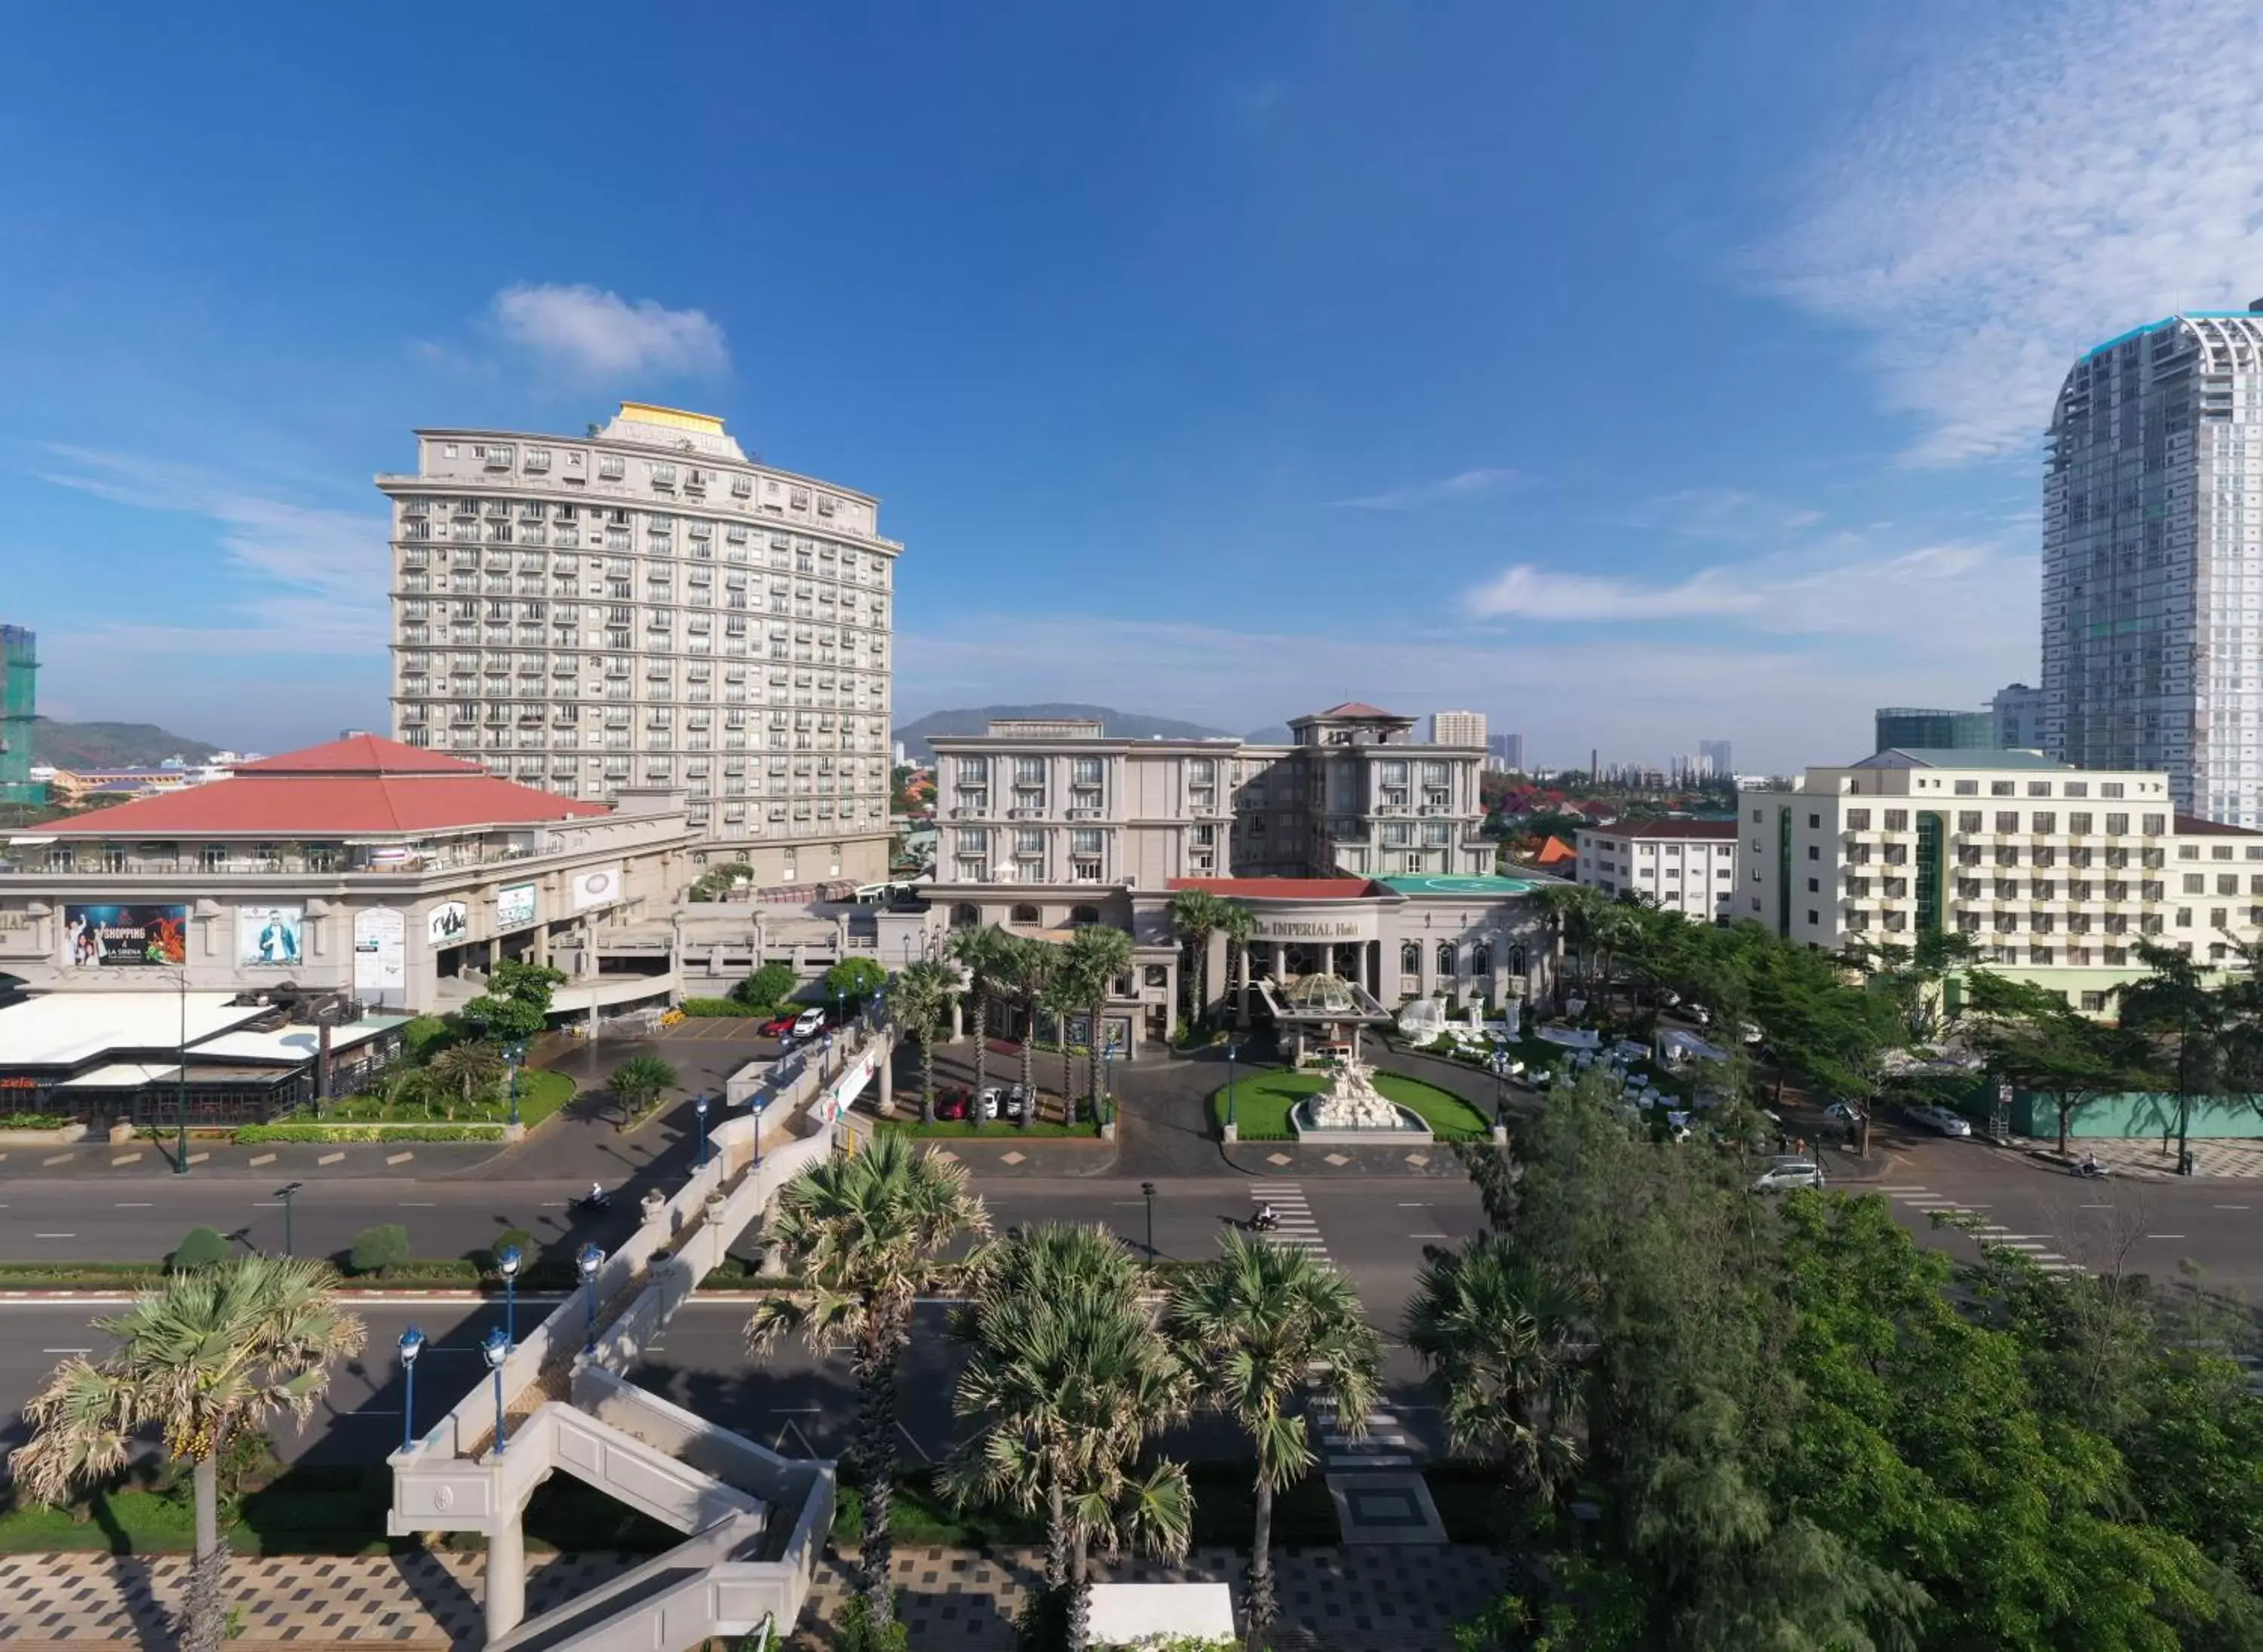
(54, 1236)
(416, 1204)
(2164, 1235)
(1426, 1235)
(2231, 1207)
(133, 1204)
(66, 1350)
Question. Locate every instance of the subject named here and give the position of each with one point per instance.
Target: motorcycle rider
(1264, 1221)
(596, 1194)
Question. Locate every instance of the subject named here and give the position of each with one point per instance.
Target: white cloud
(1723, 513)
(1535, 593)
(592, 333)
(315, 577)
(2049, 176)
(1466, 485)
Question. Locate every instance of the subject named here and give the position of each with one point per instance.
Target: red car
(950, 1104)
(779, 1025)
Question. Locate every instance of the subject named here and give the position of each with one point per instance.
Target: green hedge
(34, 1121)
(720, 1009)
(1262, 1100)
(255, 1134)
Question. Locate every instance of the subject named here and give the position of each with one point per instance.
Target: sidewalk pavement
(2144, 1159)
(1395, 1599)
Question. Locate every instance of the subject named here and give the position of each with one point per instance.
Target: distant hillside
(110, 745)
(973, 720)
(1271, 734)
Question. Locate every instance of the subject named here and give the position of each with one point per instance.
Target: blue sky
(1635, 373)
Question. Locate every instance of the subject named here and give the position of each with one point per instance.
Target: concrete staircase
(755, 1522)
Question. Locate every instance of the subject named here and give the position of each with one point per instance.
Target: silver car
(1788, 1170)
(1941, 1120)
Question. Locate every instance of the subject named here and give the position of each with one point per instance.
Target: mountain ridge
(110, 745)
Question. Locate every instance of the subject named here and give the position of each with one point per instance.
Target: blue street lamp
(497, 1349)
(506, 1264)
(1231, 1051)
(517, 1057)
(588, 1260)
(412, 1344)
(1107, 1091)
(699, 1106)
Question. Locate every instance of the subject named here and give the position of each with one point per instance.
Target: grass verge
(1262, 1102)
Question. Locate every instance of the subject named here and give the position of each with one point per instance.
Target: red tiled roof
(360, 754)
(360, 784)
(2192, 826)
(1356, 708)
(1554, 850)
(1279, 889)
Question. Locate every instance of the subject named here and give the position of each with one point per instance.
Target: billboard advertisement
(380, 937)
(449, 922)
(270, 936)
(98, 937)
(514, 906)
(599, 886)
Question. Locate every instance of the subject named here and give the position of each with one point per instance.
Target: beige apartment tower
(648, 608)
(1458, 728)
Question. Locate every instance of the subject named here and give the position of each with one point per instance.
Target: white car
(1941, 1120)
(1005, 1103)
(1788, 1170)
(808, 1024)
(1840, 1112)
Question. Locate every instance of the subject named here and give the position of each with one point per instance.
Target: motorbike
(2089, 1172)
(590, 1204)
(1263, 1222)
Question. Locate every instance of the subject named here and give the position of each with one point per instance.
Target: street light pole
(497, 1349)
(412, 1344)
(506, 1264)
(1148, 1192)
(181, 1074)
(588, 1260)
(1232, 1050)
(518, 1060)
(286, 1194)
(699, 1106)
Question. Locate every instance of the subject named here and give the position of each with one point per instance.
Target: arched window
(964, 916)
(1481, 960)
(1410, 959)
(1025, 914)
(1081, 915)
(1446, 959)
(1516, 961)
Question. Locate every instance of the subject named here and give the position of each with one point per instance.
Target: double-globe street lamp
(507, 1262)
(497, 1349)
(588, 1259)
(412, 1344)
(699, 1106)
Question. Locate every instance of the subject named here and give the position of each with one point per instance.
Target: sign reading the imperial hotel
(1285, 929)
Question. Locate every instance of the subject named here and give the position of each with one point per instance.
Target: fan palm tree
(1031, 965)
(1063, 994)
(466, 1073)
(420, 1087)
(985, 952)
(1097, 954)
(862, 1231)
(638, 1081)
(202, 1357)
(1196, 916)
(921, 1001)
(1064, 1385)
(1256, 1327)
(1500, 1341)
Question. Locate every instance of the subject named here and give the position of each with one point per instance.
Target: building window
(1481, 960)
(1410, 959)
(1079, 916)
(1025, 913)
(964, 916)
(1446, 959)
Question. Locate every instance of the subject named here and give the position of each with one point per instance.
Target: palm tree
(1499, 1342)
(466, 1072)
(638, 1081)
(1031, 965)
(420, 1087)
(921, 1002)
(1063, 994)
(1097, 954)
(1256, 1327)
(862, 1231)
(985, 953)
(202, 1357)
(1235, 922)
(1194, 917)
(1064, 1384)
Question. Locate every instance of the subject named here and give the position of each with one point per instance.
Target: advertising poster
(270, 936)
(380, 937)
(514, 906)
(100, 937)
(599, 886)
(449, 922)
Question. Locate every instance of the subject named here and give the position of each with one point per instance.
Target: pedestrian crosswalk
(2036, 1247)
(1298, 1228)
(1384, 1444)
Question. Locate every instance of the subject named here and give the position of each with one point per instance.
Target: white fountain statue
(1351, 1102)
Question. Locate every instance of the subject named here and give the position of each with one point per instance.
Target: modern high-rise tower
(2152, 635)
(20, 666)
(1458, 729)
(646, 606)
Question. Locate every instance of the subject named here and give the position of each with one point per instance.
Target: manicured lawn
(540, 1094)
(1262, 1100)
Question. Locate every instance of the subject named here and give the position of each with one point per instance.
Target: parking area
(719, 1030)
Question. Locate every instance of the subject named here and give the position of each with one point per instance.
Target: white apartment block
(1458, 728)
(2056, 873)
(1687, 867)
(646, 606)
(2152, 614)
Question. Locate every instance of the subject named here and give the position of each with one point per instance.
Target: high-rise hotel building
(648, 608)
(2152, 640)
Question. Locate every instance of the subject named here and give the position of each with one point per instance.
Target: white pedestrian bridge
(754, 1523)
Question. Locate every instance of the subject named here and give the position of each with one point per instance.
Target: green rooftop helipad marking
(1447, 883)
